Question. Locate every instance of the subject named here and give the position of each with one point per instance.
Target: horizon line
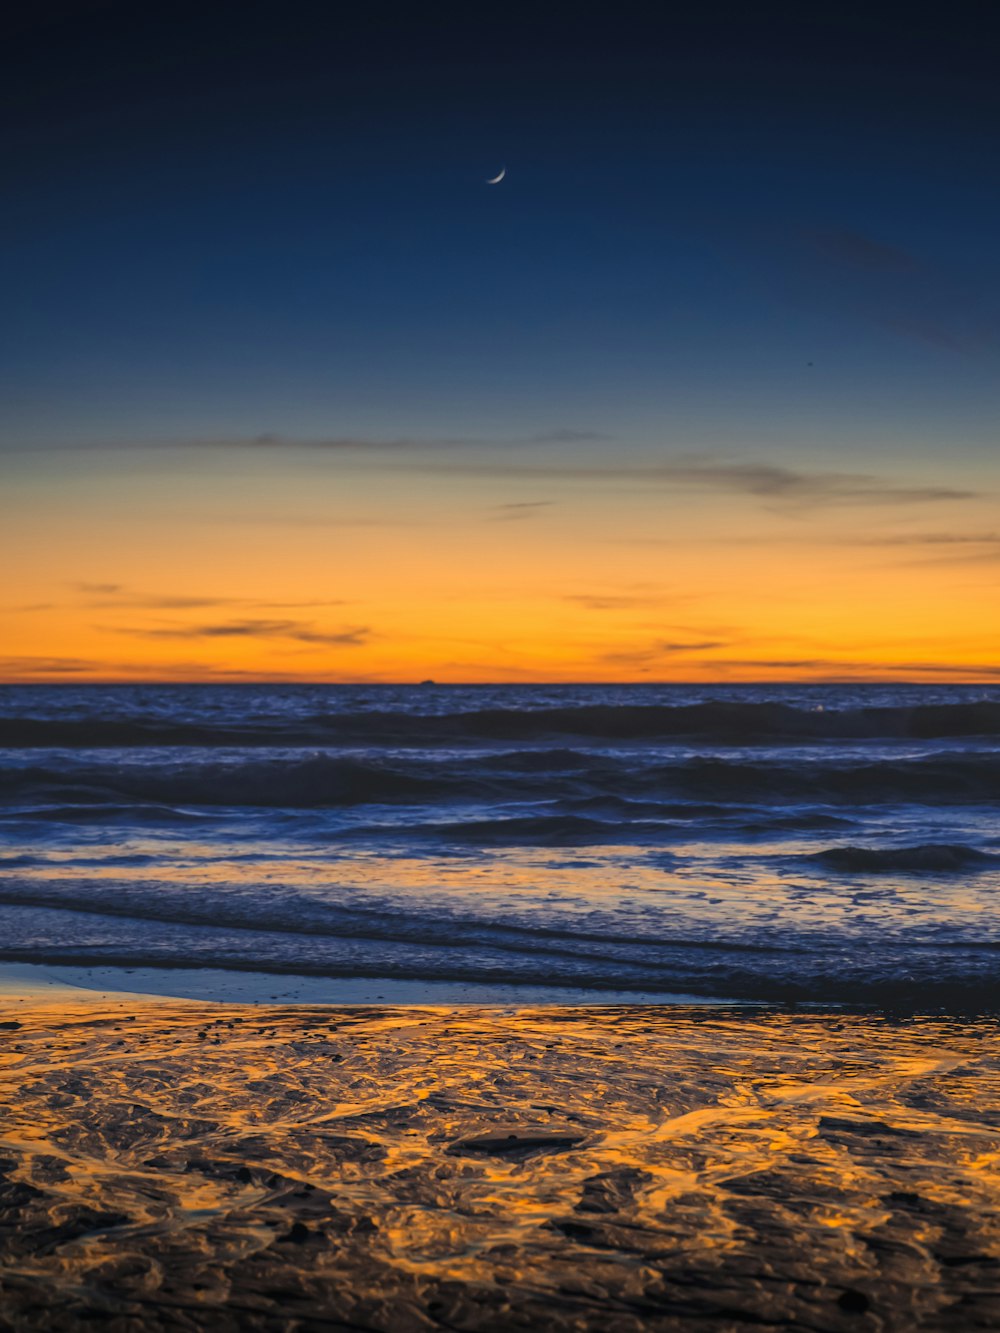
(430, 683)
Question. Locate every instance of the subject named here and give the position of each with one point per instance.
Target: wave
(926, 858)
(932, 993)
(287, 912)
(717, 722)
(943, 779)
(952, 978)
(298, 781)
(798, 821)
(103, 813)
(533, 831)
(273, 928)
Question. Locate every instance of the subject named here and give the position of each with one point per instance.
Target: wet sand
(190, 1166)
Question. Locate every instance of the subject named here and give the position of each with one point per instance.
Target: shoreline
(36, 982)
(216, 985)
(606, 1168)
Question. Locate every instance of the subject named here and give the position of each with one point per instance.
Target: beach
(488, 1008)
(170, 1164)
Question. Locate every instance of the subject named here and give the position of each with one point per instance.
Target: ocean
(816, 845)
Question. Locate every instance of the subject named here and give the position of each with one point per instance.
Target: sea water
(808, 844)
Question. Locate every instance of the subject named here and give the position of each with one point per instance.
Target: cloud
(833, 668)
(791, 663)
(706, 645)
(335, 522)
(34, 668)
(621, 601)
(334, 443)
(971, 547)
(894, 289)
(296, 630)
(366, 444)
(193, 603)
(860, 251)
(46, 666)
(950, 547)
(691, 472)
(518, 510)
(766, 481)
(783, 486)
(120, 595)
(289, 606)
(920, 539)
(782, 483)
(566, 436)
(609, 602)
(656, 652)
(561, 435)
(170, 602)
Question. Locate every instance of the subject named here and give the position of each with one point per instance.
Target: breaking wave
(719, 722)
(328, 780)
(928, 858)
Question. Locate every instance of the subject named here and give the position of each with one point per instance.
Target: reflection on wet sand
(172, 1166)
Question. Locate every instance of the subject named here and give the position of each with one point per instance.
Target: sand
(179, 1165)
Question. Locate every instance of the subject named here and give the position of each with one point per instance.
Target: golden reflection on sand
(173, 1166)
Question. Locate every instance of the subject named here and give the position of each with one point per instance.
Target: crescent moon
(497, 179)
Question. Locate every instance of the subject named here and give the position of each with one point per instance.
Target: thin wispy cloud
(860, 251)
(333, 443)
(934, 539)
(402, 444)
(704, 646)
(569, 436)
(895, 289)
(620, 601)
(332, 522)
(105, 595)
(832, 668)
(986, 556)
(295, 630)
(711, 655)
(661, 651)
(763, 481)
(962, 542)
(167, 602)
(411, 443)
(47, 666)
(943, 548)
(274, 441)
(785, 488)
(517, 510)
(28, 668)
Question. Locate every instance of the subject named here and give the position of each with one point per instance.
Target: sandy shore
(175, 1165)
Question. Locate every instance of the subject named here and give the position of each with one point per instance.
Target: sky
(705, 389)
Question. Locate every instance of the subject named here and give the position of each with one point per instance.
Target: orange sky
(341, 563)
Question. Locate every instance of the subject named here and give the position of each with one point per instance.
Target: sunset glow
(305, 562)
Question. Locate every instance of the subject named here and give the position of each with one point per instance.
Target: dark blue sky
(227, 220)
